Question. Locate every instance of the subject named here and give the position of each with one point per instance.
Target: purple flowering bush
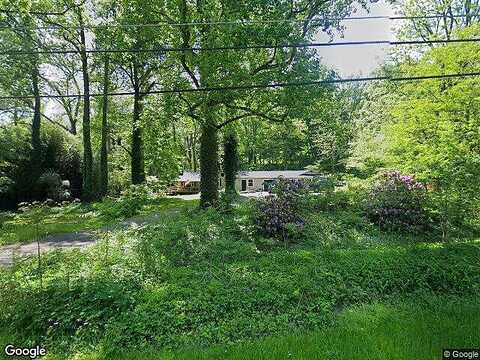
(289, 187)
(278, 216)
(396, 202)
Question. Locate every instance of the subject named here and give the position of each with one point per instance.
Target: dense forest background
(162, 54)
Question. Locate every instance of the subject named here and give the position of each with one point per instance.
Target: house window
(250, 182)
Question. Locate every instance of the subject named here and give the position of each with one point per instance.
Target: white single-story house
(246, 181)
(254, 181)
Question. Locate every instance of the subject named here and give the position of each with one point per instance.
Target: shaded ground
(197, 196)
(79, 240)
(84, 239)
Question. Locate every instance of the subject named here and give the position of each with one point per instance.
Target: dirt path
(77, 240)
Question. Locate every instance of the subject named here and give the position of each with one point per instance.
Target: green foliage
(332, 127)
(397, 202)
(52, 186)
(131, 200)
(435, 134)
(429, 129)
(191, 238)
(397, 329)
(198, 278)
(60, 155)
(38, 221)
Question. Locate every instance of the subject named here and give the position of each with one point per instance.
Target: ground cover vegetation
(386, 234)
(411, 321)
(200, 278)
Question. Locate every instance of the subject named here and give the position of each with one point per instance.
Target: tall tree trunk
(73, 129)
(194, 147)
(208, 164)
(138, 162)
(105, 132)
(36, 156)
(15, 116)
(230, 162)
(88, 187)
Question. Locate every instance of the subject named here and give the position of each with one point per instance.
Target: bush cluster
(397, 202)
(279, 216)
(60, 160)
(131, 200)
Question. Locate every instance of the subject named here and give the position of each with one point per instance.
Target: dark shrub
(60, 155)
(289, 188)
(51, 185)
(278, 216)
(396, 202)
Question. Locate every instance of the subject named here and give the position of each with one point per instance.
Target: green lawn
(411, 329)
(28, 226)
(408, 330)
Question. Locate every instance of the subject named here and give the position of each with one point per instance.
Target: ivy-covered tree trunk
(230, 161)
(36, 155)
(138, 162)
(105, 132)
(209, 164)
(88, 186)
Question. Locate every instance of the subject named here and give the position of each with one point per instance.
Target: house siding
(257, 184)
(254, 180)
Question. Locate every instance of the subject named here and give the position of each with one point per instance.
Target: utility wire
(256, 86)
(242, 22)
(240, 47)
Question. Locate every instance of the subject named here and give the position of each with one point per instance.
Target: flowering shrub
(278, 216)
(396, 201)
(289, 188)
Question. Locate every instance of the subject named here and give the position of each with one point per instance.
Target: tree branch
(249, 112)
(49, 119)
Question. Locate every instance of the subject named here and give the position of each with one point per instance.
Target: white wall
(257, 185)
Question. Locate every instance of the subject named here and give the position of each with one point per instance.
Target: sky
(357, 60)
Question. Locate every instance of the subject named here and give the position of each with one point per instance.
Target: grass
(404, 330)
(28, 226)
(204, 284)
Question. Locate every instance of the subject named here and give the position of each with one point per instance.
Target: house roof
(189, 177)
(275, 174)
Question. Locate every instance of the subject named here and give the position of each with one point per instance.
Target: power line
(241, 47)
(431, 17)
(241, 22)
(63, 12)
(194, 48)
(256, 86)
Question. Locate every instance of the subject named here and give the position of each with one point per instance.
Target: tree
(66, 81)
(203, 68)
(230, 161)
(331, 129)
(21, 74)
(140, 69)
(430, 128)
(105, 131)
(436, 18)
(71, 28)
